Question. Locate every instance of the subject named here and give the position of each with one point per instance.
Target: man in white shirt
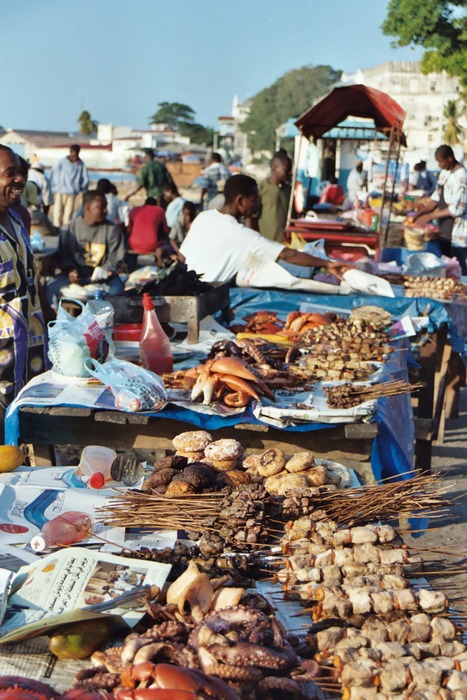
(355, 182)
(218, 244)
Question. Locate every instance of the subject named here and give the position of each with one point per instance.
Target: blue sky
(120, 58)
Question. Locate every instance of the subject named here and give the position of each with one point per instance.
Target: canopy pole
(385, 236)
(386, 173)
(294, 180)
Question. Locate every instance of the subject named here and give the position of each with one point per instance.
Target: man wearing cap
(355, 181)
(69, 178)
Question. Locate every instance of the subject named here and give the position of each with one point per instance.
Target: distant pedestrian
(214, 176)
(152, 176)
(69, 178)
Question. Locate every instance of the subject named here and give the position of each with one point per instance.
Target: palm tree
(453, 132)
(87, 125)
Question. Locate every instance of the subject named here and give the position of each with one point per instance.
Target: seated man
(218, 244)
(182, 225)
(90, 251)
(333, 193)
(148, 231)
(174, 202)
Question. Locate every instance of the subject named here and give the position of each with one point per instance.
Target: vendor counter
(439, 355)
(48, 413)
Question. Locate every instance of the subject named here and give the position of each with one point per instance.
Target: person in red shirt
(147, 229)
(333, 193)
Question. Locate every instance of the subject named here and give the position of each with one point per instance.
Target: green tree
(288, 97)
(174, 114)
(453, 132)
(197, 133)
(87, 125)
(181, 117)
(439, 26)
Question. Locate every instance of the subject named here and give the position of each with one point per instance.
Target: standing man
(355, 182)
(274, 198)
(22, 335)
(152, 176)
(69, 178)
(214, 176)
(448, 204)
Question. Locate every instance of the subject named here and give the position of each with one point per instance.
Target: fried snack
(192, 441)
(271, 462)
(224, 450)
(300, 461)
(179, 488)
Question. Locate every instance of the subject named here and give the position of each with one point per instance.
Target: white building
(423, 97)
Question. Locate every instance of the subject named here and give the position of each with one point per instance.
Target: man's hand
(99, 274)
(423, 219)
(338, 268)
(73, 276)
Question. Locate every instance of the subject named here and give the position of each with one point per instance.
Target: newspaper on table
(24, 509)
(70, 585)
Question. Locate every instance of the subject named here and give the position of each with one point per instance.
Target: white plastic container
(96, 459)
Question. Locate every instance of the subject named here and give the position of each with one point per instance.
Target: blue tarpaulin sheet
(244, 301)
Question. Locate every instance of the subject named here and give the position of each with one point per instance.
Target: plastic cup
(95, 458)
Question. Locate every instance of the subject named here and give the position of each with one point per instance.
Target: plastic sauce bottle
(154, 346)
(103, 312)
(67, 528)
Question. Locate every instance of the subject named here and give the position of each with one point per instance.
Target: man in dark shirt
(152, 176)
(90, 251)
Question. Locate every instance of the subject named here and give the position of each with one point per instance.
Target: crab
(148, 681)
(298, 322)
(227, 378)
(260, 322)
(19, 688)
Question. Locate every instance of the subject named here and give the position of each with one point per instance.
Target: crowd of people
(235, 218)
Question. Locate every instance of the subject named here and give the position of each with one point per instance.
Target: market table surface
(387, 441)
(441, 359)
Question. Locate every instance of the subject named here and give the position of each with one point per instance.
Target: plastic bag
(72, 340)
(134, 388)
(317, 249)
(426, 264)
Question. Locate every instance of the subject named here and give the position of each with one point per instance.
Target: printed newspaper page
(59, 588)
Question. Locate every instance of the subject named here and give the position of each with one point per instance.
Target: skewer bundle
(154, 512)
(421, 494)
(349, 395)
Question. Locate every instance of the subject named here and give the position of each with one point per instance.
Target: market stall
(388, 116)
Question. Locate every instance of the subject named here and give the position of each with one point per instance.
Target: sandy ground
(450, 531)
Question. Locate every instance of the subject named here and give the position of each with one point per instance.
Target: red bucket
(127, 331)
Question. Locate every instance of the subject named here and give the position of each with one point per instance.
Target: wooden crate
(177, 309)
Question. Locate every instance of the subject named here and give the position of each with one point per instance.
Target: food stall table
(441, 358)
(47, 413)
(339, 236)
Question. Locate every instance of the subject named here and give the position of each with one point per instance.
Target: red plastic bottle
(154, 346)
(68, 528)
